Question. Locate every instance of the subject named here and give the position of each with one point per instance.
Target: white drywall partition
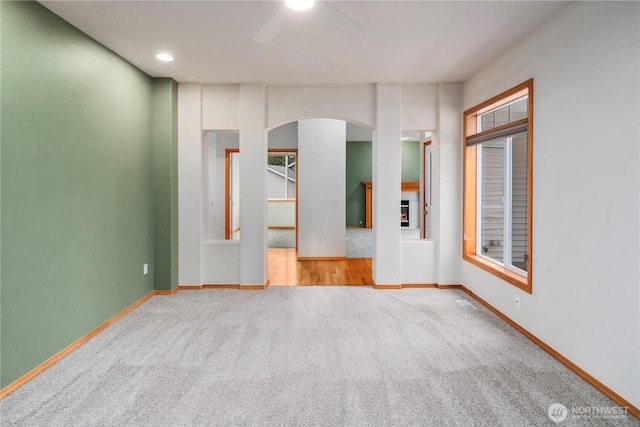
(209, 181)
(353, 103)
(220, 107)
(190, 178)
(321, 188)
(221, 262)
(449, 182)
(281, 214)
(387, 167)
(419, 262)
(284, 137)
(253, 186)
(586, 185)
(419, 106)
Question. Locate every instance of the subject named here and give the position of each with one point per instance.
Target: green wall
(359, 169)
(410, 161)
(77, 185)
(165, 183)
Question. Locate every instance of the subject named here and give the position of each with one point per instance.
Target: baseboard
(219, 286)
(419, 285)
(376, 286)
(215, 286)
(67, 350)
(338, 258)
(167, 292)
(178, 289)
(190, 287)
(615, 397)
(255, 287)
(450, 287)
(282, 227)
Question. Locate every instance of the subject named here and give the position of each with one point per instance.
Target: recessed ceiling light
(164, 57)
(300, 4)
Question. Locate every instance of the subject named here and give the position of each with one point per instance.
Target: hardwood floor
(286, 270)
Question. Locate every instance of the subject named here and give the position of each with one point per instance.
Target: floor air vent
(465, 304)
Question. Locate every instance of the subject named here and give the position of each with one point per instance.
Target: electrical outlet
(517, 300)
(145, 269)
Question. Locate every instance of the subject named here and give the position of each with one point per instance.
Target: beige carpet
(313, 356)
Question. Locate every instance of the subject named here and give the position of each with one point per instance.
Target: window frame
(470, 184)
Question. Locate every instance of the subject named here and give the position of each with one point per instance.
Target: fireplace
(404, 213)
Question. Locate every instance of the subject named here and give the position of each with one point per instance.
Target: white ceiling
(405, 41)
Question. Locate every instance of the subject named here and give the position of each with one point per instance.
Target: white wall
(282, 214)
(418, 263)
(284, 137)
(190, 183)
(253, 185)
(209, 182)
(353, 103)
(419, 106)
(586, 189)
(321, 178)
(386, 185)
(358, 133)
(220, 107)
(447, 183)
(221, 262)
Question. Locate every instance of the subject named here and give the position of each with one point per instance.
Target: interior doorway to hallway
(282, 199)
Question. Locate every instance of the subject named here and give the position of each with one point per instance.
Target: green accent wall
(165, 183)
(77, 179)
(410, 161)
(359, 169)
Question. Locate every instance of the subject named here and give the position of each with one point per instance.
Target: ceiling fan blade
(340, 22)
(272, 28)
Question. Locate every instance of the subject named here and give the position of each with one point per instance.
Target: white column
(387, 164)
(321, 188)
(447, 153)
(253, 185)
(189, 183)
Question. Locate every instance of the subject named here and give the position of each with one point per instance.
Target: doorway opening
(282, 195)
(282, 199)
(427, 189)
(232, 194)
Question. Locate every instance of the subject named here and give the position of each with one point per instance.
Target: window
(498, 148)
(281, 176)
